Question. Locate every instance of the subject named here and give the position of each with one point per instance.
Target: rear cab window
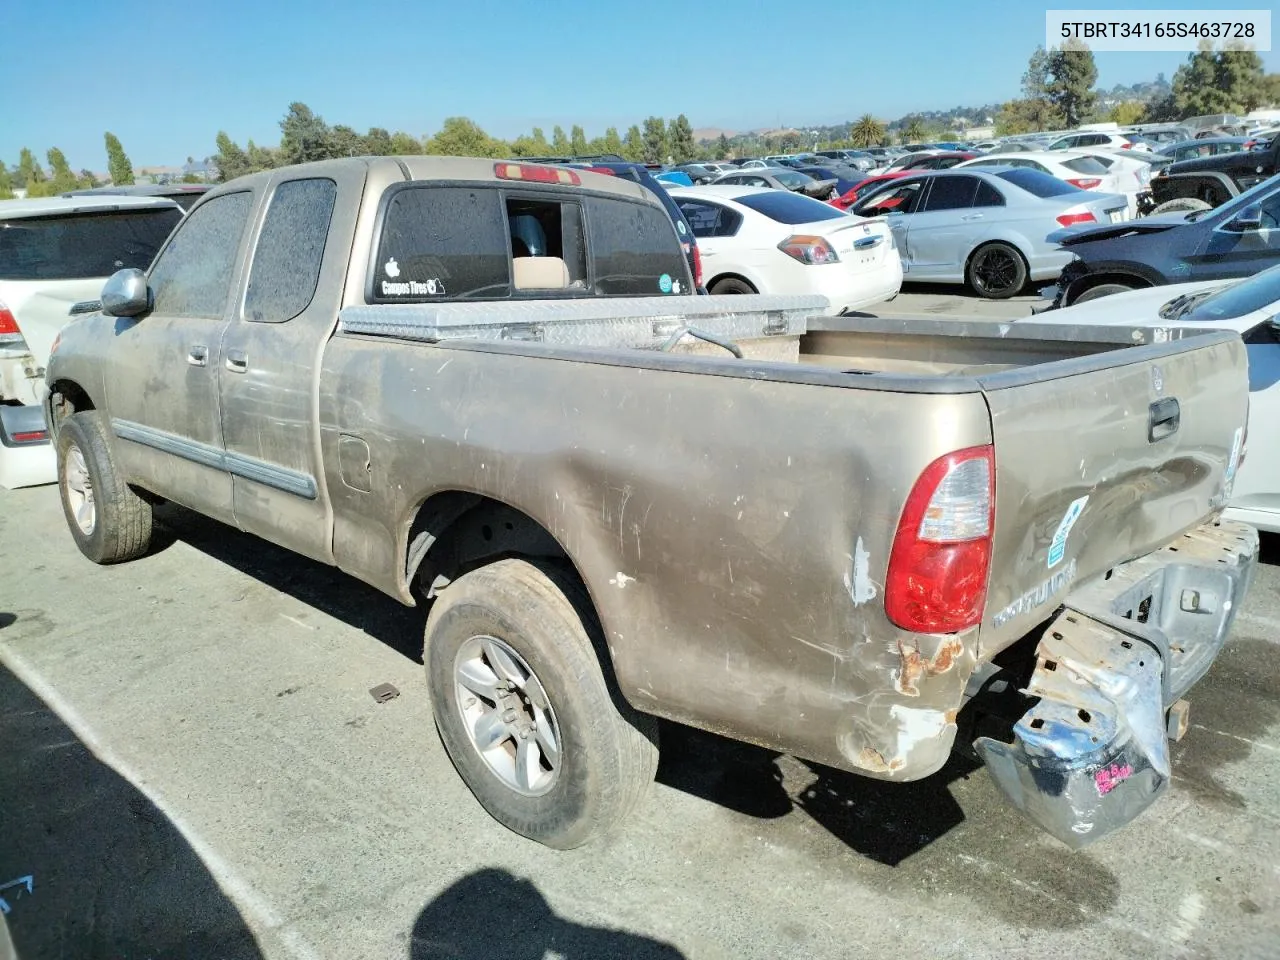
(446, 242)
(85, 245)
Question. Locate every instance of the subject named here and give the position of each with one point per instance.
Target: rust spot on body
(915, 665)
(872, 759)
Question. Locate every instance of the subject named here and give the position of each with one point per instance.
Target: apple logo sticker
(392, 268)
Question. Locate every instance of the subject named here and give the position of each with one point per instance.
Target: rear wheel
(1181, 205)
(1101, 290)
(996, 271)
(525, 709)
(108, 521)
(731, 285)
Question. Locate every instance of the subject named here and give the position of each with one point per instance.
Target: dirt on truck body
(616, 509)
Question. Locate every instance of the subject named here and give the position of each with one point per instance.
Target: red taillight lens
(697, 267)
(1067, 219)
(1085, 183)
(9, 331)
(605, 170)
(536, 173)
(30, 436)
(809, 249)
(937, 577)
(1126, 146)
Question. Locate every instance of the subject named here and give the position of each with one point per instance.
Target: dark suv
(609, 163)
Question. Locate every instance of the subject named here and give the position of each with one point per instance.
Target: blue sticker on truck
(1058, 545)
(664, 283)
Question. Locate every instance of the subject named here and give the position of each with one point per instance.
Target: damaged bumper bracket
(1093, 753)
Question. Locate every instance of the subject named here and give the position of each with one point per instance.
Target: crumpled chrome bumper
(1093, 752)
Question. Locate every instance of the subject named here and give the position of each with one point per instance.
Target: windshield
(790, 208)
(792, 179)
(83, 246)
(1038, 184)
(1234, 300)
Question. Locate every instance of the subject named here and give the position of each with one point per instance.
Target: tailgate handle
(865, 242)
(1164, 419)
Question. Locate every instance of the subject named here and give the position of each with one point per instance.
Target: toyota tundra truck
(838, 538)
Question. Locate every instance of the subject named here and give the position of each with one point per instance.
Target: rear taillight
(1085, 183)
(1126, 146)
(697, 267)
(809, 249)
(1069, 219)
(30, 436)
(10, 334)
(937, 578)
(536, 173)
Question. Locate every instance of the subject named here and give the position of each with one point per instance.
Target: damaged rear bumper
(1093, 751)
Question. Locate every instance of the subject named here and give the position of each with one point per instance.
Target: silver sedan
(780, 178)
(986, 229)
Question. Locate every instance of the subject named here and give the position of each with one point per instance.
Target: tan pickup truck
(484, 387)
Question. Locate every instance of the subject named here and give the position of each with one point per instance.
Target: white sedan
(1249, 307)
(755, 240)
(1083, 169)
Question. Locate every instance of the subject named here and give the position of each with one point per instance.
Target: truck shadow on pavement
(109, 875)
(492, 913)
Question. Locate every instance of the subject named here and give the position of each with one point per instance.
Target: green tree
(1127, 112)
(633, 146)
(378, 142)
(655, 140)
(231, 161)
(612, 142)
(914, 130)
(6, 183)
(1071, 89)
(28, 171)
(560, 145)
(867, 132)
(723, 147)
(61, 177)
(577, 142)
(680, 140)
(1271, 90)
(462, 137)
(88, 180)
(304, 136)
(263, 158)
(346, 142)
(405, 144)
(118, 166)
(1035, 81)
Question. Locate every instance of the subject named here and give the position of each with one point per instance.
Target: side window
(710, 219)
(286, 263)
(192, 278)
(442, 243)
(951, 193)
(634, 249)
(987, 196)
(757, 182)
(900, 198)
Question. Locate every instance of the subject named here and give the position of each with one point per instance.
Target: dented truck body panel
(732, 519)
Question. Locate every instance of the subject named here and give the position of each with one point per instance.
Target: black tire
(1101, 290)
(120, 521)
(607, 751)
(731, 285)
(1180, 205)
(996, 271)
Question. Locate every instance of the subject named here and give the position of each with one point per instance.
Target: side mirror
(1248, 219)
(126, 294)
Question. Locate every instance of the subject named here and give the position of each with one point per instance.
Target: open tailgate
(1102, 459)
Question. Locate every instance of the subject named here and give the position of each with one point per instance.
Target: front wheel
(108, 521)
(731, 285)
(524, 708)
(1180, 205)
(996, 271)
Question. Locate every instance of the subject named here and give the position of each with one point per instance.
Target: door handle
(198, 355)
(1164, 418)
(237, 362)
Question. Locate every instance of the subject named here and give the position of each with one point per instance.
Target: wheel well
(1091, 280)
(730, 276)
(67, 397)
(454, 532)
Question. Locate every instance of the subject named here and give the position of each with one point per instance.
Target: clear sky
(165, 77)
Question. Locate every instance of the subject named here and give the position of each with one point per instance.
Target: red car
(850, 196)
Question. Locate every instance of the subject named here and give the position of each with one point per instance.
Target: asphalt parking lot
(191, 766)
